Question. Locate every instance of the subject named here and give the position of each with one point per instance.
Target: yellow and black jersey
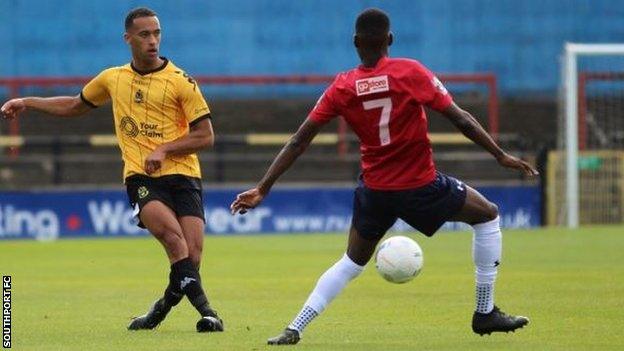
(150, 109)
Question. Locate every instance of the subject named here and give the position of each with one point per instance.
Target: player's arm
(93, 94)
(296, 146)
(62, 106)
(471, 128)
(200, 136)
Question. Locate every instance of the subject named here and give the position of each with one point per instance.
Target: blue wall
(518, 40)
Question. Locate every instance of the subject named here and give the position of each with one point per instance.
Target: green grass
(80, 294)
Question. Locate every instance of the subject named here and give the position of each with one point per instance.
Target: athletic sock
(486, 253)
(305, 316)
(485, 298)
(187, 280)
(329, 285)
(173, 294)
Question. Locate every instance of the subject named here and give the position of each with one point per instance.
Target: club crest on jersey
(372, 85)
(138, 96)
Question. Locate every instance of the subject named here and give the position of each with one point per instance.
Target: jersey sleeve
(429, 90)
(192, 101)
(325, 109)
(96, 93)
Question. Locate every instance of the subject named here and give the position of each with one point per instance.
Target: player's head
(372, 32)
(143, 33)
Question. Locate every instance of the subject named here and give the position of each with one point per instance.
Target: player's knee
(491, 211)
(172, 240)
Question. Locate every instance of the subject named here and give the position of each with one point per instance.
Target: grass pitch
(81, 294)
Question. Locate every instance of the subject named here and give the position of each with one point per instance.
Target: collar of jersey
(159, 68)
(381, 61)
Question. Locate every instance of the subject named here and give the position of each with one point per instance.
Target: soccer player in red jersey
(383, 101)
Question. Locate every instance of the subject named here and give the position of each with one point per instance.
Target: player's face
(144, 38)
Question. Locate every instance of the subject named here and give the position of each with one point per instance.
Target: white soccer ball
(399, 259)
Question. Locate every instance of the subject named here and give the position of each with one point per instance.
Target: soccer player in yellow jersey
(161, 122)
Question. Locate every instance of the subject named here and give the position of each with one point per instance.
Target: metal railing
(14, 85)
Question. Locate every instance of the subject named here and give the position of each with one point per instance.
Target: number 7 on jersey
(384, 122)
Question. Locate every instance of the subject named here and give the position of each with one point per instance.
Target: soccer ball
(399, 259)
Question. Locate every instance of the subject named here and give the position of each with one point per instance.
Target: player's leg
(329, 285)
(334, 280)
(161, 222)
(371, 219)
(193, 229)
(186, 194)
(482, 215)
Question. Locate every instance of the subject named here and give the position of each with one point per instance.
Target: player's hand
(154, 161)
(246, 201)
(12, 108)
(509, 161)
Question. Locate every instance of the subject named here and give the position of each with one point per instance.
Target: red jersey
(384, 105)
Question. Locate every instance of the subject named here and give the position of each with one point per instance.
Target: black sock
(173, 293)
(188, 281)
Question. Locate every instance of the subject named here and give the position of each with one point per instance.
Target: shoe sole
(130, 327)
(282, 343)
(284, 340)
(501, 331)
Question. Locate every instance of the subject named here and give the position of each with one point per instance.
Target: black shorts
(426, 208)
(181, 193)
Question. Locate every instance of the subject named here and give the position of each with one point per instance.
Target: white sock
(486, 254)
(329, 285)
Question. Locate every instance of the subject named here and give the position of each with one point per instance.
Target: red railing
(488, 79)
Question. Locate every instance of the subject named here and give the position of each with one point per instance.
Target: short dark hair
(372, 22)
(137, 13)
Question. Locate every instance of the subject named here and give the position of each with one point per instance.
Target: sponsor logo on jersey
(129, 127)
(150, 130)
(372, 85)
(188, 78)
(139, 82)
